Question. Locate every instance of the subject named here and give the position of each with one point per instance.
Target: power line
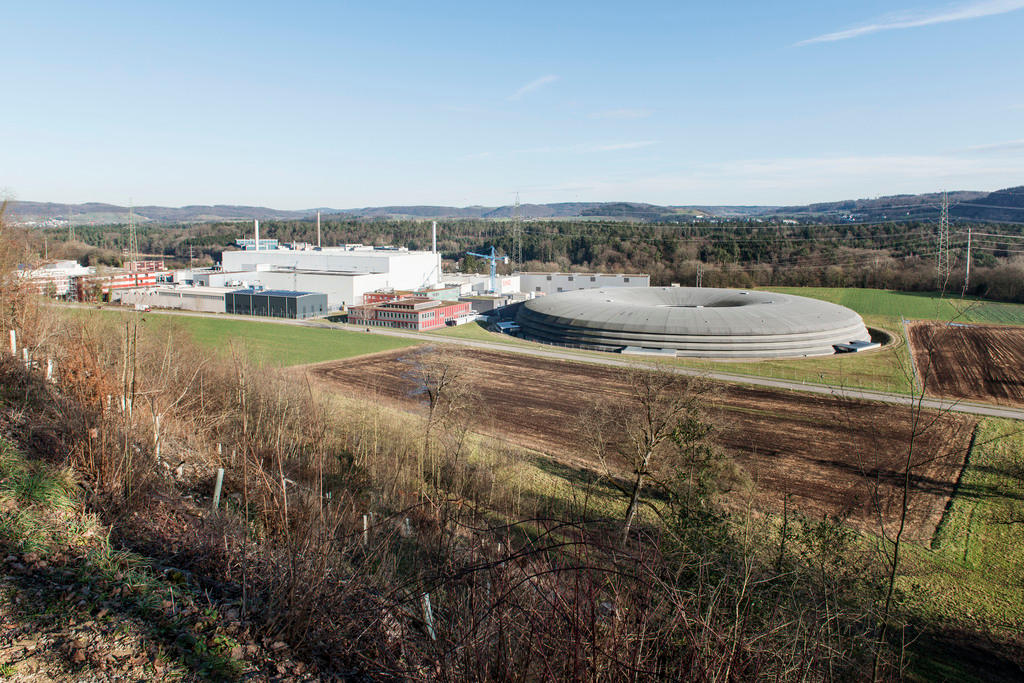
(1011, 251)
(993, 234)
(994, 206)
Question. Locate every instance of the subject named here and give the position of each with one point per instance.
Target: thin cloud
(621, 114)
(533, 85)
(973, 10)
(1005, 146)
(618, 146)
(587, 148)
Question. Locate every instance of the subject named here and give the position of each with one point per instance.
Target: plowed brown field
(984, 362)
(829, 455)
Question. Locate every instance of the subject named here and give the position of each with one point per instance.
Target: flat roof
(271, 292)
(544, 272)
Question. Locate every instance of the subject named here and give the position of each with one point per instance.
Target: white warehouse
(405, 269)
(344, 274)
(553, 283)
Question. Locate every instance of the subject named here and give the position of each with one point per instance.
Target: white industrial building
(54, 279)
(405, 269)
(553, 283)
(344, 274)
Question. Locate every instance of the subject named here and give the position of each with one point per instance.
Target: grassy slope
(976, 554)
(121, 606)
(972, 578)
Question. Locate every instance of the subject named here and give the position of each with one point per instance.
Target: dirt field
(827, 454)
(980, 362)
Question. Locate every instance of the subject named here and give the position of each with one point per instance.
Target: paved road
(617, 361)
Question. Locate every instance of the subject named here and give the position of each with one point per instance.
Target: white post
(156, 437)
(317, 229)
(14, 343)
(366, 530)
(217, 487)
(256, 224)
(49, 369)
(24, 355)
(967, 275)
(428, 615)
(434, 231)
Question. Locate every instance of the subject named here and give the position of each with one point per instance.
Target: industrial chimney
(434, 229)
(256, 224)
(317, 229)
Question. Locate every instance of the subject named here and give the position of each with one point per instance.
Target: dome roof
(692, 321)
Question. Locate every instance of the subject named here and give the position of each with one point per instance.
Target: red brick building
(411, 313)
(96, 287)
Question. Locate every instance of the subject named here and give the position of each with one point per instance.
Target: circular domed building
(705, 322)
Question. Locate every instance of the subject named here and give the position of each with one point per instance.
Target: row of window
(593, 278)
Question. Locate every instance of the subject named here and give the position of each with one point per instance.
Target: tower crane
(494, 266)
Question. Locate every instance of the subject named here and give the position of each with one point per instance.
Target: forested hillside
(747, 253)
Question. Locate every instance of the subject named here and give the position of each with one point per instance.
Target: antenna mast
(133, 240)
(942, 264)
(517, 233)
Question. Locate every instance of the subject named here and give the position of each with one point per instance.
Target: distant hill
(1003, 205)
(893, 207)
(93, 213)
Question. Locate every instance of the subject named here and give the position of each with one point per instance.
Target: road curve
(971, 408)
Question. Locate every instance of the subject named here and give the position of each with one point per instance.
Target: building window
(549, 278)
(625, 279)
(538, 289)
(559, 289)
(593, 278)
(571, 278)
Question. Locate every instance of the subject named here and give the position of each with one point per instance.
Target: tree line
(891, 255)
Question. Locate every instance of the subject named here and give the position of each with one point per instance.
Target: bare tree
(442, 376)
(644, 433)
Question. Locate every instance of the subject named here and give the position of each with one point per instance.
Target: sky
(304, 104)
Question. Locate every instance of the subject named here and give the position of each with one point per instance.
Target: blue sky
(305, 104)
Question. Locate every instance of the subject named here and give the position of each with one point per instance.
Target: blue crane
(494, 266)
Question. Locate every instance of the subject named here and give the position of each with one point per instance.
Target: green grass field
(267, 342)
(281, 345)
(477, 332)
(880, 303)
